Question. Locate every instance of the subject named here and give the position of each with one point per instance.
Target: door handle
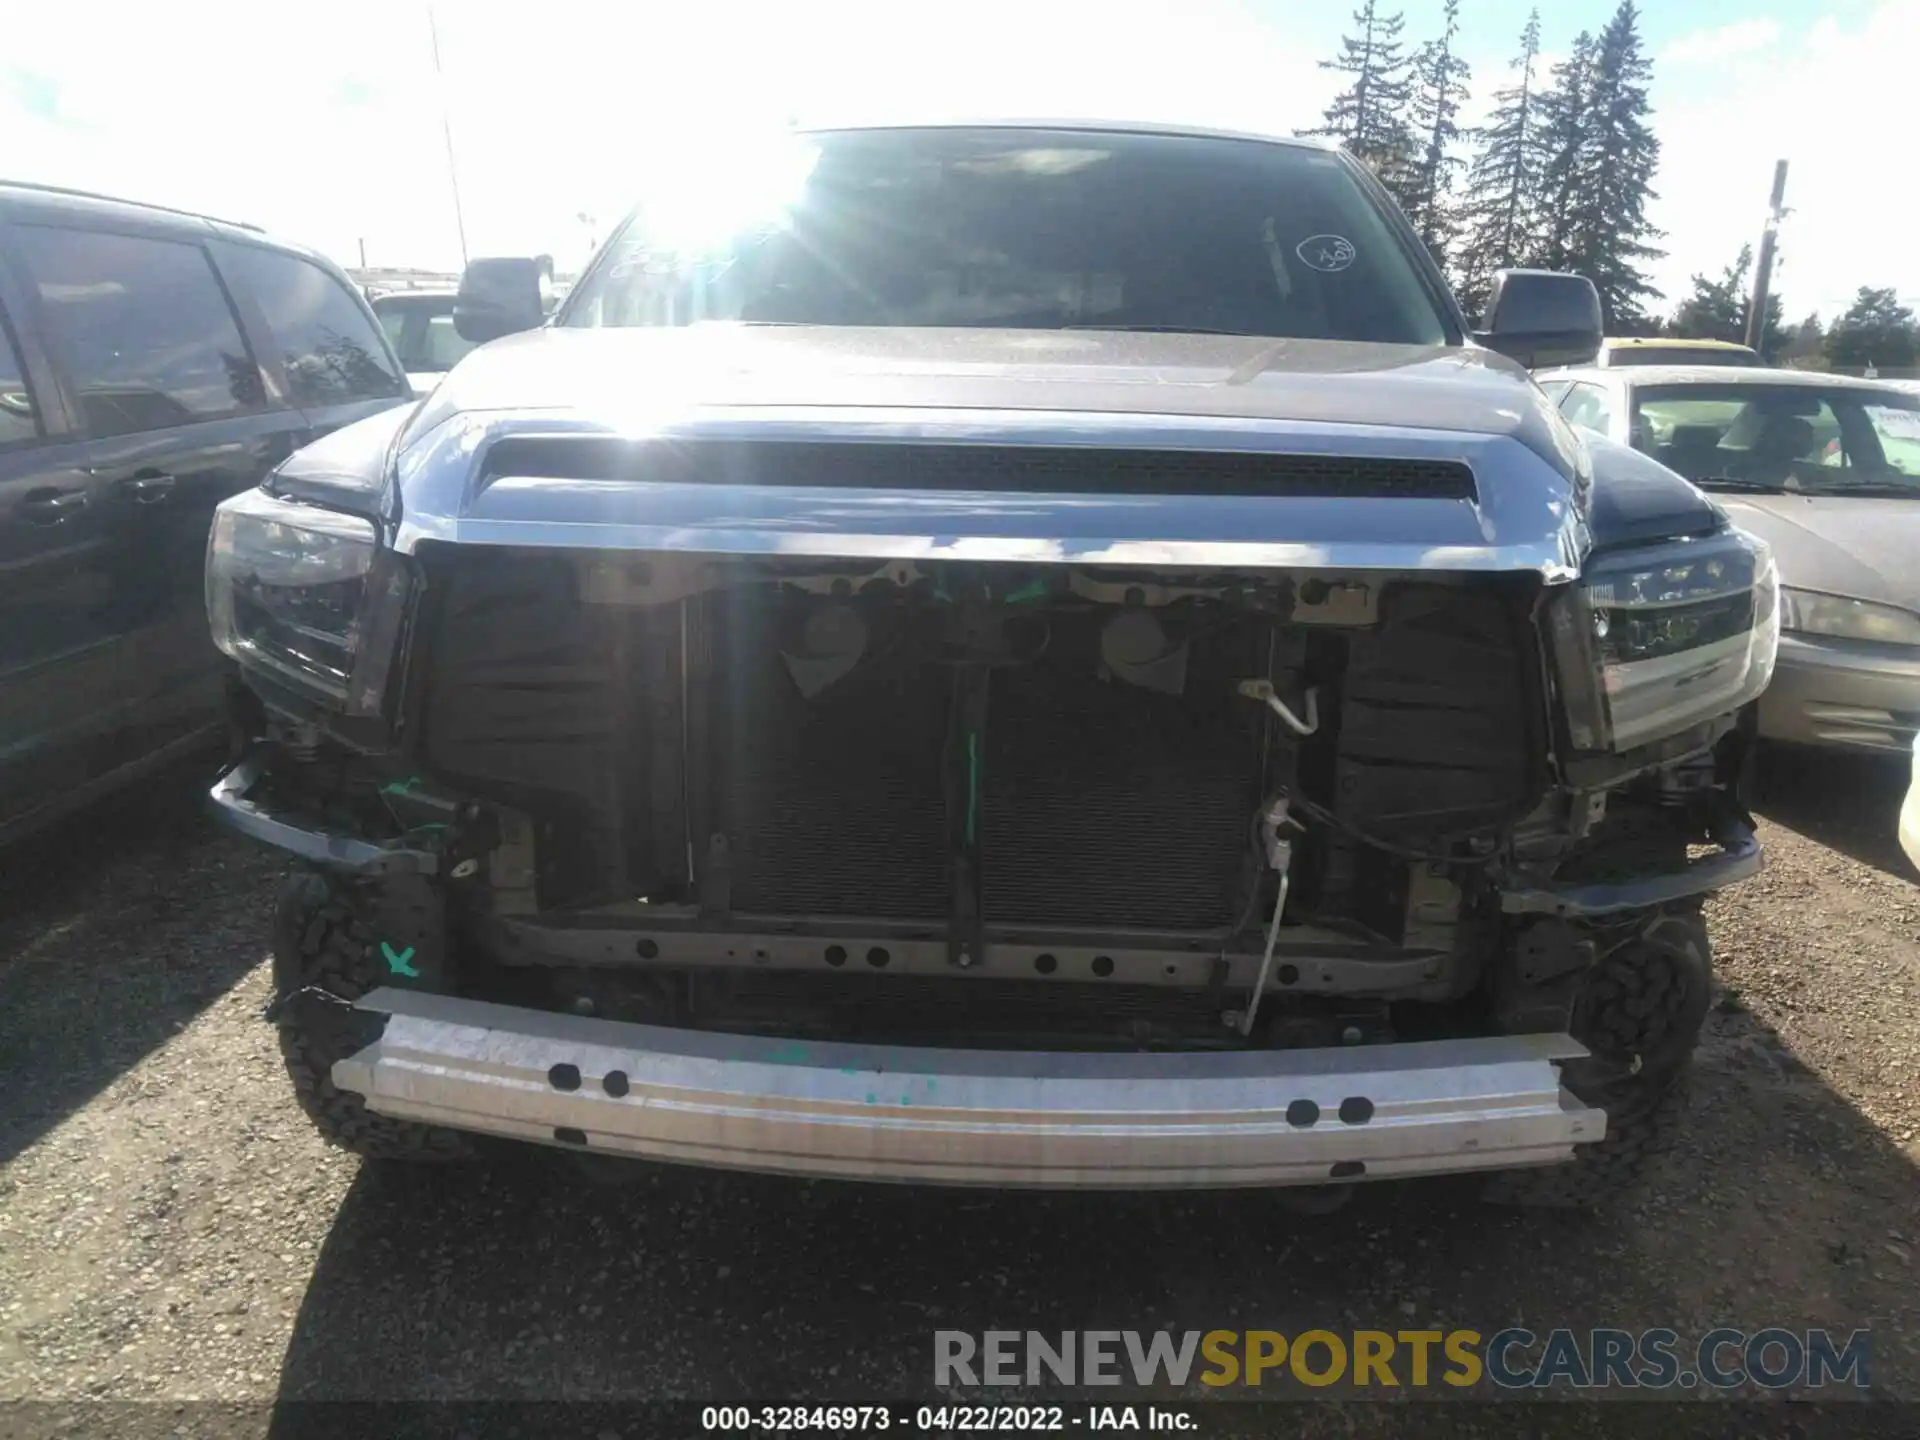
(148, 488)
(48, 506)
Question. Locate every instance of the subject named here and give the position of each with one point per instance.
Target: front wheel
(1640, 1014)
(324, 959)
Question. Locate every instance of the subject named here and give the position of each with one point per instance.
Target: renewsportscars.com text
(1654, 1359)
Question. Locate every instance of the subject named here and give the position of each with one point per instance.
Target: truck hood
(455, 480)
(624, 375)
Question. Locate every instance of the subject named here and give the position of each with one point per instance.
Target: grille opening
(670, 750)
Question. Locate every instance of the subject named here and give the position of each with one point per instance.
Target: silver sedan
(1826, 469)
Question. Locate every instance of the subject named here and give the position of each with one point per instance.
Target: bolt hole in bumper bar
(1070, 1121)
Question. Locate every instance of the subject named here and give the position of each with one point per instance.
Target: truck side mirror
(502, 296)
(1542, 317)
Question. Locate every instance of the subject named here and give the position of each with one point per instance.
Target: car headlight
(1809, 612)
(306, 596)
(1655, 640)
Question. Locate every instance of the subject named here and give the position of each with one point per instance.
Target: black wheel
(323, 956)
(1641, 1015)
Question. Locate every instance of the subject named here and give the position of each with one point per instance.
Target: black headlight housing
(308, 599)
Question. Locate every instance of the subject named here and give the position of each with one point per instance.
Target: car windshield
(421, 329)
(1019, 229)
(1785, 438)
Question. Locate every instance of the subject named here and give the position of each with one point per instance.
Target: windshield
(1794, 439)
(1023, 229)
(1682, 355)
(421, 329)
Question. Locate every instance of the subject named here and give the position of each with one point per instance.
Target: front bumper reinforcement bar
(1739, 858)
(1064, 1120)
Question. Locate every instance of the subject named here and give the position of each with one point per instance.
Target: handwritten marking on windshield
(1329, 253)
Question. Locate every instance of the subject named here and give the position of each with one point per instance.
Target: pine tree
(1806, 346)
(1439, 90)
(1500, 211)
(1369, 117)
(1718, 309)
(1875, 330)
(1602, 153)
(1564, 112)
(1622, 155)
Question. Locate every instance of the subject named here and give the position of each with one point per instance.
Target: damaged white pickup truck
(1008, 656)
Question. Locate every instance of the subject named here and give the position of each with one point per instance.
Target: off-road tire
(322, 940)
(1641, 1016)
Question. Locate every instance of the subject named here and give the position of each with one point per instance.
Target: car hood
(631, 377)
(1860, 546)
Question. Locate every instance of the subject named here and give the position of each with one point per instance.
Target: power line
(446, 131)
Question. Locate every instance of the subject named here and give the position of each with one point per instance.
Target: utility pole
(446, 131)
(363, 252)
(1763, 272)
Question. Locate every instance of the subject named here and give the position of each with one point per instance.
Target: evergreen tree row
(1559, 176)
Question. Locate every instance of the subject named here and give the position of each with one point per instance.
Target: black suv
(152, 363)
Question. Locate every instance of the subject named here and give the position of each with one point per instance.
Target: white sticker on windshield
(1899, 424)
(1331, 253)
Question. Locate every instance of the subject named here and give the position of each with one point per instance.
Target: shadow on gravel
(519, 1279)
(117, 927)
(1848, 802)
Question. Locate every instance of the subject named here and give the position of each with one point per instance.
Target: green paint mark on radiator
(401, 962)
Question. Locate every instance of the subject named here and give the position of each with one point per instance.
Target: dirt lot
(170, 1228)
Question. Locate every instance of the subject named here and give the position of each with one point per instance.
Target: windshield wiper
(1867, 487)
(1728, 482)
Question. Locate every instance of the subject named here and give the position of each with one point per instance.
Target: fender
(1636, 500)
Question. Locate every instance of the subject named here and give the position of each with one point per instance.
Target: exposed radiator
(1101, 805)
(1107, 805)
(832, 806)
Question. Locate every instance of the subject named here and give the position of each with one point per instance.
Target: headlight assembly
(1808, 612)
(306, 596)
(1652, 641)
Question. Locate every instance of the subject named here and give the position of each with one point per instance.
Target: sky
(324, 122)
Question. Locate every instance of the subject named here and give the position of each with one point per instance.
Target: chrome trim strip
(1526, 517)
(1077, 1121)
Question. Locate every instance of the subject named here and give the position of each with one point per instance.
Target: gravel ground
(171, 1229)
